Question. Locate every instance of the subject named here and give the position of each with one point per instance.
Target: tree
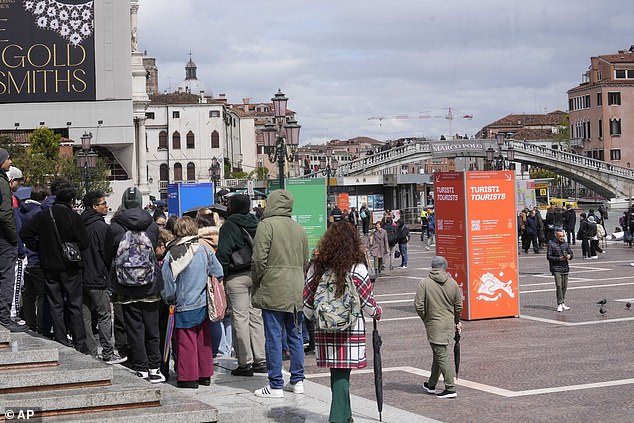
(562, 136)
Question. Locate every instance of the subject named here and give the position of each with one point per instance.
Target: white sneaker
(564, 306)
(560, 308)
(268, 392)
(296, 388)
(594, 258)
(142, 375)
(155, 376)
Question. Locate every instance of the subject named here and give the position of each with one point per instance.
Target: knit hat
(239, 203)
(131, 199)
(439, 262)
(4, 155)
(590, 218)
(14, 173)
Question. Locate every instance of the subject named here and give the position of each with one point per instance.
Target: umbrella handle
(374, 322)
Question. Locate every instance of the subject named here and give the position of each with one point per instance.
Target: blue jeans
(403, 248)
(274, 321)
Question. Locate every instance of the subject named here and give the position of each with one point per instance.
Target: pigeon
(602, 302)
(602, 310)
(628, 306)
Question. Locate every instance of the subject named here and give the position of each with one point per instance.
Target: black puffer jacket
(134, 219)
(38, 235)
(96, 268)
(556, 250)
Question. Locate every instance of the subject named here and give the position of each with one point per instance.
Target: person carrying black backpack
(403, 239)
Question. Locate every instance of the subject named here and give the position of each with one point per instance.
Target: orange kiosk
(476, 231)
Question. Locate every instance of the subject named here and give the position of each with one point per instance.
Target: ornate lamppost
(499, 158)
(214, 173)
(328, 164)
(281, 140)
(86, 160)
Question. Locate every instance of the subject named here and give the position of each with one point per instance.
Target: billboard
(309, 206)
(47, 51)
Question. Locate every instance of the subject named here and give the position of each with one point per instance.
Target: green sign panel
(309, 208)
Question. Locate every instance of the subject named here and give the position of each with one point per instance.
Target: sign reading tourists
(309, 206)
(47, 51)
(476, 231)
(449, 207)
(492, 240)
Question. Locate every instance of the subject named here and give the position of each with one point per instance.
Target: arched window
(215, 139)
(164, 172)
(176, 140)
(178, 172)
(162, 140)
(191, 171)
(190, 140)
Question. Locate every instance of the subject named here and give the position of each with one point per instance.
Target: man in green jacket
(439, 303)
(280, 258)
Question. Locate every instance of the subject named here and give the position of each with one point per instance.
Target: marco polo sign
(458, 148)
(47, 51)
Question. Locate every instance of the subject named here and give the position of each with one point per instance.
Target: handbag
(240, 260)
(70, 250)
(216, 299)
(370, 266)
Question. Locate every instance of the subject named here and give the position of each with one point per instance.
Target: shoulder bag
(240, 260)
(216, 298)
(70, 250)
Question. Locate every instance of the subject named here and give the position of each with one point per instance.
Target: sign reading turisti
(46, 51)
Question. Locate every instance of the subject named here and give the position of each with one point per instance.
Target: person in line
(570, 221)
(159, 218)
(185, 270)
(559, 255)
(164, 238)
(95, 278)
(62, 279)
(246, 319)
(34, 303)
(587, 230)
(378, 246)
(438, 302)
(402, 232)
(8, 246)
(280, 257)
(341, 351)
(16, 178)
(139, 304)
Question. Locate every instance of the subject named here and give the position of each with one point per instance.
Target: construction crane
(450, 116)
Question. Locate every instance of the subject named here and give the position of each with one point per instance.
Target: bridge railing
(381, 157)
(570, 158)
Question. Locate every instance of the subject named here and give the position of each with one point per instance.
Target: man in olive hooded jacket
(439, 303)
(280, 257)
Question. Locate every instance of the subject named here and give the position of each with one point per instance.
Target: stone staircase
(63, 385)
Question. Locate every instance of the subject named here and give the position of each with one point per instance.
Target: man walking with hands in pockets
(559, 254)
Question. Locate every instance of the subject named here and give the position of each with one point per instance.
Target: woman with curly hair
(341, 253)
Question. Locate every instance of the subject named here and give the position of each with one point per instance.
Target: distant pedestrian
(402, 232)
(424, 224)
(439, 304)
(584, 234)
(378, 246)
(364, 215)
(431, 231)
(559, 255)
(344, 350)
(570, 221)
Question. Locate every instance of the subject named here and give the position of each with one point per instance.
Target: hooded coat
(230, 237)
(280, 257)
(439, 303)
(96, 267)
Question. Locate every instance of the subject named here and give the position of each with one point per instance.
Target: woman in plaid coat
(341, 251)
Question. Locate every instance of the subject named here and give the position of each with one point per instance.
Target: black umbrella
(378, 369)
(456, 352)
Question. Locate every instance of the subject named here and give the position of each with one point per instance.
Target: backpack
(336, 314)
(135, 262)
(392, 236)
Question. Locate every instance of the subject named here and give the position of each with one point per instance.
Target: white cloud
(341, 62)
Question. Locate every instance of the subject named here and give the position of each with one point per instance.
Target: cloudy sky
(341, 62)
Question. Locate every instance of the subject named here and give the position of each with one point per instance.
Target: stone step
(5, 337)
(25, 351)
(74, 370)
(126, 392)
(175, 408)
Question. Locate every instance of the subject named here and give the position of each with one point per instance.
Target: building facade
(601, 109)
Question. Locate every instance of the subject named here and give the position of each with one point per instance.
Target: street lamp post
(498, 158)
(86, 160)
(329, 165)
(214, 173)
(281, 140)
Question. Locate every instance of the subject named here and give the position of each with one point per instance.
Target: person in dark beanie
(95, 278)
(62, 278)
(8, 246)
(439, 304)
(246, 320)
(133, 229)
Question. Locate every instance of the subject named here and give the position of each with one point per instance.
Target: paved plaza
(575, 366)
